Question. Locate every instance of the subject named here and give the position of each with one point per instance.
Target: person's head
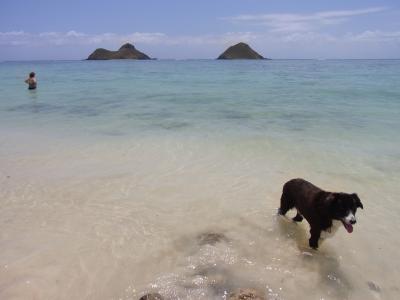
(31, 74)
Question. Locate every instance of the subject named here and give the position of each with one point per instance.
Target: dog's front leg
(315, 234)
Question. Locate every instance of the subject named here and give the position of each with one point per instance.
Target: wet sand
(189, 218)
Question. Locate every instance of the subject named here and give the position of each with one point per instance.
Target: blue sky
(52, 29)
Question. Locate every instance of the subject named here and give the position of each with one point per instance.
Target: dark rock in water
(240, 51)
(219, 279)
(374, 287)
(247, 294)
(211, 238)
(127, 51)
(152, 296)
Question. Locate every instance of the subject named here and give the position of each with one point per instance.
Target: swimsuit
(32, 85)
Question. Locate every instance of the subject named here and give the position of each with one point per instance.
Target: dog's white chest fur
(330, 232)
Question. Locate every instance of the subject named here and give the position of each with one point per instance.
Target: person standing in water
(31, 81)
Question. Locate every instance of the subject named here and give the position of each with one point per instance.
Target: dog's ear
(358, 201)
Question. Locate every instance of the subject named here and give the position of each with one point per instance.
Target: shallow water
(111, 172)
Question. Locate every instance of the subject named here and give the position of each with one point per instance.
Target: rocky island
(240, 51)
(127, 51)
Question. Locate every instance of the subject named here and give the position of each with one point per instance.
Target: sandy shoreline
(117, 219)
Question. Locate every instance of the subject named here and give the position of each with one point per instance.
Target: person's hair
(31, 74)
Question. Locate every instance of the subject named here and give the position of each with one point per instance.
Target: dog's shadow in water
(325, 259)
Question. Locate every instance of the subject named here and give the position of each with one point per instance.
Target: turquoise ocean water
(342, 100)
(129, 158)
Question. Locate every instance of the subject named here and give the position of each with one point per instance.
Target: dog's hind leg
(298, 217)
(286, 204)
(315, 234)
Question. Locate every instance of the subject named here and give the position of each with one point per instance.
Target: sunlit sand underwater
(119, 179)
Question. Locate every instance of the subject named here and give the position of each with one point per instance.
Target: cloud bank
(71, 38)
(302, 22)
(20, 38)
(281, 35)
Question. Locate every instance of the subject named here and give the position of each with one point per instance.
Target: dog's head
(343, 207)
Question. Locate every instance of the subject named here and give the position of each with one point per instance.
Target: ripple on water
(36, 107)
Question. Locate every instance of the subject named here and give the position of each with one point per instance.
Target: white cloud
(305, 44)
(309, 37)
(374, 36)
(75, 34)
(72, 37)
(302, 22)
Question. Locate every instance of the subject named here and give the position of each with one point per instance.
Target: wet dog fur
(320, 208)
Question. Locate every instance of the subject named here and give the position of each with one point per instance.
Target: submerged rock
(374, 287)
(127, 51)
(247, 294)
(211, 238)
(217, 278)
(152, 296)
(240, 51)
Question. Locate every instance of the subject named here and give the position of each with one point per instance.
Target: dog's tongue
(348, 227)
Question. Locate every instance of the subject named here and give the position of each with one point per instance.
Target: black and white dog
(320, 208)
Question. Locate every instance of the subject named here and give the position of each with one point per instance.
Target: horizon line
(183, 59)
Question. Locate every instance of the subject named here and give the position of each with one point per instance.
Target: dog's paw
(313, 245)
